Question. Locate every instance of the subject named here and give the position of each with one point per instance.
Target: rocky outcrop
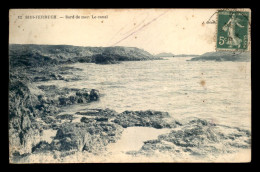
(32, 109)
(94, 95)
(155, 119)
(67, 96)
(23, 133)
(87, 120)
(224, 56)
(89, 137)
(48, 73)
(107, 113)
(199, 138)
(99, 127)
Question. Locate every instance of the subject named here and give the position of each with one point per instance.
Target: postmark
(233, 30)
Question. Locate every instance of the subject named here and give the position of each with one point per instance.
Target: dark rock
(85, 136)
(42, 103)
(198, 137)
(42, 146)
(83, 93)
(87, 120)
(148, 118)
(80, 100)
(101, 119)
(94, 95)
(64, 100)
(23, 131)
(25, 122)
(65, 116)
(107, 113)
(48, 119)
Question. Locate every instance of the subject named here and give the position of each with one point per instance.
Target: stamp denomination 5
(233, 30)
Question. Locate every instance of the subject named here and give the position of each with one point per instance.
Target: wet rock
(148, 118)
(43, 76)
(64, 101)
(198, 138)
(94, 95)
(85, 136)
(25, 122)
(23, 132)
(87, 120)
(101, 119)
(65, 96)
(48, 88)
(83, 93)
(41, 147)
(67, 69)
(51, 109)
(22, 141)
(28, 103)
(108, 113)
(65, 116)
(74, 78)
(48, 119)
(54, 126)
(79, 96)
(71, 138)
(56, 76)
(40, 78)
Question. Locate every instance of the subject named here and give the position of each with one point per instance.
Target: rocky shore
(35, 110)
(197, 138)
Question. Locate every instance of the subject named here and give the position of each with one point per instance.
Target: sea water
(216, 91)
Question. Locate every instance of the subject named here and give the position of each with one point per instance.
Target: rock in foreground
(91, 137)
(155, 119)
(198, 138)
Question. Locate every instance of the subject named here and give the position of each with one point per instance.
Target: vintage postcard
(129, 85)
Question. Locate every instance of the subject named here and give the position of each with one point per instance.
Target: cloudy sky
(154, 30)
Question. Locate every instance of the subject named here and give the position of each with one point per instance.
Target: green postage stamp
(233, 30)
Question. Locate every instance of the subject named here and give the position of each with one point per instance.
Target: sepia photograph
(129, 85)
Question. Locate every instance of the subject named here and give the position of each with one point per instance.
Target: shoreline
(37, 109)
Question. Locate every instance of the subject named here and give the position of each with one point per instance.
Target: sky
(177, 31)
